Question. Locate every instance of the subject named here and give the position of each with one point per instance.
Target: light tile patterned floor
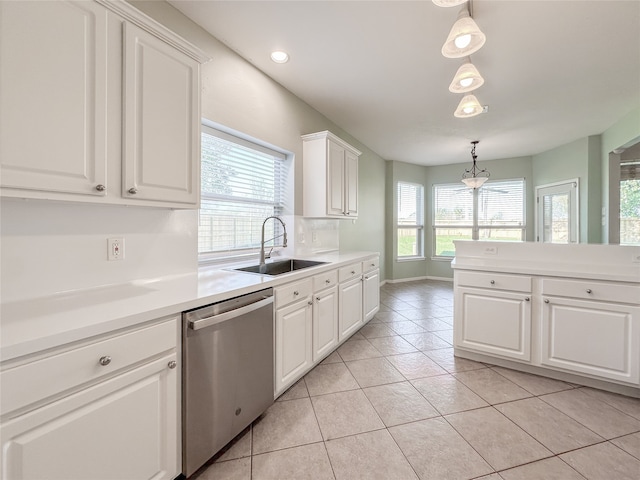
(393, 403)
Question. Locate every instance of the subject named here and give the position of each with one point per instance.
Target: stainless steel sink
(278, 268)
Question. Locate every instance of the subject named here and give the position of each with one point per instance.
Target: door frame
(574, 211)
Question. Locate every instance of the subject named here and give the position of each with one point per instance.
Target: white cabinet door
(371, 294)
(161, 120)
(53, 98)
(493, 321)
(126, 427)
(351, 184)
(325, 322)
(293, 343)
(595, 338)
(335, 180)
(349, 307)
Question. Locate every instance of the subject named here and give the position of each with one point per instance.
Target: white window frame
(475, 226)
(231, 254)
(418, 226)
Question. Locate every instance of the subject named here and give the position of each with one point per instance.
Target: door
(351, 184)
(335, 180)
(53, 100)
(371, 293)
(325, 322)
(126, 427)
(557, 212)
(161, 120)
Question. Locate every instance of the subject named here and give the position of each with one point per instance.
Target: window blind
(242, 184)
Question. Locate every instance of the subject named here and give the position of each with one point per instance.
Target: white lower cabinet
(370, 288)
(601, 339)
(120, 419)
(325, 322)
(496, 322)
(350, 307)
(293, 335)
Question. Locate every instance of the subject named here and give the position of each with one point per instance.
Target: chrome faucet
(262, 241)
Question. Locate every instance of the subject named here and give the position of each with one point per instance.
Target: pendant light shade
(467, 78)
(474, 177)
(449, 3)
(469, 106)
(464, 38)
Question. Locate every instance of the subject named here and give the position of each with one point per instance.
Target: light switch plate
(115, 248)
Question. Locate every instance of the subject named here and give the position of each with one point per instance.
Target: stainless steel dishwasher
(227, 372)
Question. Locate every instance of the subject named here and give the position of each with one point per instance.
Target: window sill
(442, 259)
(410, 259)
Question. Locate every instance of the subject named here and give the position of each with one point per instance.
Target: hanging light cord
(474, 171)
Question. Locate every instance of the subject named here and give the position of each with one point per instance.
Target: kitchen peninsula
(570, 312)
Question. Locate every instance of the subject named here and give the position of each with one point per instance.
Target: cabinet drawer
(371, 264)
(586, 289)
(290, 293)
(35, 381)
(498, 281)
(349, 272)
(325, 280)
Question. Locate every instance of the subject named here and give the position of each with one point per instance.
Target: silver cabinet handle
(353, 272)
(133, 190)
(588, 290)
(101, 188)
(327, 281)
(309, 303)
(526, 299)
(296, 293)
(493, 282)
(172, 364)
(317, 299)
(546, 300)
(104, 361)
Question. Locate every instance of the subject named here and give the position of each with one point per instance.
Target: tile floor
(392, 403)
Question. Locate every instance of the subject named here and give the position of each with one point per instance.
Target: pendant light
(466, 79)
(449, 3)
(474, 177)
(464, 38)
(469, 106)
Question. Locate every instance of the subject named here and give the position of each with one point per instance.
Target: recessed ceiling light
(280, 56)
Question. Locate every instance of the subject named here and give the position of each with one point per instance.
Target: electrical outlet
(490, 250)
(314, 237)
(301, 238)
(115, 248)
(636, 258)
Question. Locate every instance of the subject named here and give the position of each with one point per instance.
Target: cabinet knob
(588, 290)
(373, 264)
(309, 303)
(493, 282)
(526, 299)
(327, 281)
(172, 364)
(104, 361)
(133, 190)
(101, 188)
(546, 300)
(317, 299)
(353, 272)
(296, 293)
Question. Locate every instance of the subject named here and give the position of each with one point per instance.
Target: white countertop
(42, 323)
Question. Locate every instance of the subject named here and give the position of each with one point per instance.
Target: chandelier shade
(464, 38)
(469, 106)
(466, 79)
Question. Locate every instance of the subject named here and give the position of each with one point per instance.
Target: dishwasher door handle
(223, 317)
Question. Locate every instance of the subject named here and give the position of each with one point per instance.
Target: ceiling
(555, 71)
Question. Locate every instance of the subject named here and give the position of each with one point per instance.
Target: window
(494, 211)
(410, 226)
(630, 202)
(242, 184)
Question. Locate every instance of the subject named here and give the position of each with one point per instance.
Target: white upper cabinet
(330, 176)
(98, 103)
(161, 120)
(53, 92)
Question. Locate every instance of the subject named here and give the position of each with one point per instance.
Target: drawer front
(349, 272)
(325, 280)
(497, 281)
(371, 264)
(292, 292)
(35, 381)
(592, 290)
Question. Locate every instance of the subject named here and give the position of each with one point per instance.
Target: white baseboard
(414, 279)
